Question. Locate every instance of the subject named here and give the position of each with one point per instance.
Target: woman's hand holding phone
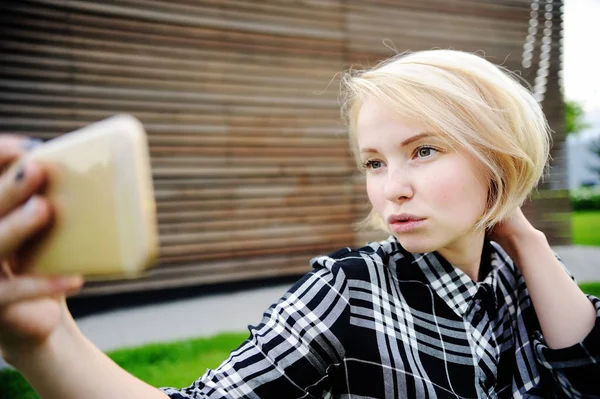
(37, 333)
(31, 305)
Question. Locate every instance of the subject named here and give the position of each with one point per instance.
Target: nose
(398, 185)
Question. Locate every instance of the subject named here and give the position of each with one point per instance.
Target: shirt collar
(454, 287)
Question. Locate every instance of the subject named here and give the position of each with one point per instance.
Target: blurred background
(240, 101)
(250, 163)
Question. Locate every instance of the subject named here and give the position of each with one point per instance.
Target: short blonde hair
(477, 105)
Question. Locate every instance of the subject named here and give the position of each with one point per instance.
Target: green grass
(176, 364)
(591, 288)
(586, 227)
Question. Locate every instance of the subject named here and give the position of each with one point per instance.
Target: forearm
(71, 367)
(565, 314)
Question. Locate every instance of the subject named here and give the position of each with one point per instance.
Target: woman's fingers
(18, 184)
(23, 178)
(23, 223)
(13, 146)
(24, 288)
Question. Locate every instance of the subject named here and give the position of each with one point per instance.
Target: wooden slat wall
(239, 99)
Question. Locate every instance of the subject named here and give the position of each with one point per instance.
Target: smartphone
(104, 213)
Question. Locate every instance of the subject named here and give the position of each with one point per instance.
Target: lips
(404, 217)
(404, 223)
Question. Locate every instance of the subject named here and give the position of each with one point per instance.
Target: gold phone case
(100, 186)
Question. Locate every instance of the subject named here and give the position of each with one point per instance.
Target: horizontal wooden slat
(270, 234)
(252, 191)
(251, 247)
(201, 124)
(176, 18)
(517, 11)
(109, 106)
(152, 69)
(324, 11)
(317, 125)
(241, 213)
(164, 82)
(163, 95)
(188, 274)
(20, 37)
(215, 64)
(247, 203)
(144, 30)
(337, 219)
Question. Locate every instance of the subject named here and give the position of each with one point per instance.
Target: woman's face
(429, 195)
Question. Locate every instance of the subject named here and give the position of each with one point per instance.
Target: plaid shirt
(380, 322)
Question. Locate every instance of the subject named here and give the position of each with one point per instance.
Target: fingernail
(20, 174)
(31, 143)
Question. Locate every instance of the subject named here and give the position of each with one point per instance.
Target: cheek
(375, 192)
(458, 188)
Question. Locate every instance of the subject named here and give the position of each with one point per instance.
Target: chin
(416, 244)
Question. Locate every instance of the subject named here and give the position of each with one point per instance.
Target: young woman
(464, 300)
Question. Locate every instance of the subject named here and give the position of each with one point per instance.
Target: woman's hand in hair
(513, 232)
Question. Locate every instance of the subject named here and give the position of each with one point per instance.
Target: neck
(465, 254)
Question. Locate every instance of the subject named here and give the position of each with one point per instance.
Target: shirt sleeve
(575, 369)
(288, 354)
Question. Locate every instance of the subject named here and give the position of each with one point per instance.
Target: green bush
(585, 199)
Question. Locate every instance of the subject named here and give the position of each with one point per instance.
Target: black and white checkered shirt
(380, 322)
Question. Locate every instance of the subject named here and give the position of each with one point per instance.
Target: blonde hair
(477, 105)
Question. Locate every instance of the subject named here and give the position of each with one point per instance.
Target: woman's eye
(425, 152)
(373, 164)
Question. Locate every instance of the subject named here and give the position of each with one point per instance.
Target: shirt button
(478, 315)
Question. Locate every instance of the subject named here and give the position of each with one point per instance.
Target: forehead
(376, 122)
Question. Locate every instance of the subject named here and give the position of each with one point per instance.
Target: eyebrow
(406, 142)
